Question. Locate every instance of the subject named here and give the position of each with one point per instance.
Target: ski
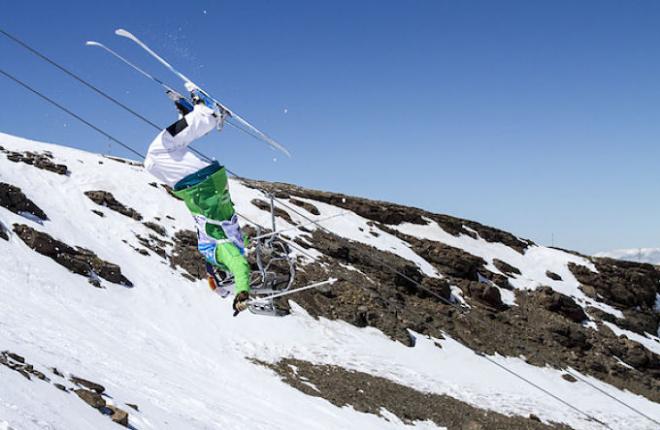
(243, 124)
(139, 70)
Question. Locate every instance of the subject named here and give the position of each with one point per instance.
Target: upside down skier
(204, 188)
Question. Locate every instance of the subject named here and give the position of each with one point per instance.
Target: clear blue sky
(540, 118)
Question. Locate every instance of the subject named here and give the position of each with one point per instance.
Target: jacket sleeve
(194, 125)
(229, 255)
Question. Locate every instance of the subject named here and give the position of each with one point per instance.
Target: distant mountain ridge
(639, 255)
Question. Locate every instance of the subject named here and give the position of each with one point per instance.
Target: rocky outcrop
(18, 364)
(89, 392)
(13, 199)
(552, 275)
(506, 268)
(553, 301)
(159, 229)
(186, 255)
(78, 260)
(4, 232)
(392, 214)
(42, 160)
(628, 286)
(543, 326)
(104, 198)
(305, 205)
(372, 394)
(279, 212)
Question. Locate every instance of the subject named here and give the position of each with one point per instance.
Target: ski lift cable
(92, 87)
(115, 101)
(554, 396)
(611, 396)
(78, 117)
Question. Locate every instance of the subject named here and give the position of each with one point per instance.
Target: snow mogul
(204, 188)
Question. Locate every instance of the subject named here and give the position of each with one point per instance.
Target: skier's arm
(192, 126)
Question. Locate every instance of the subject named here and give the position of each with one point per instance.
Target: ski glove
(241, 302)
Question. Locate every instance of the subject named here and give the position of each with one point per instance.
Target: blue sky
(540, 118)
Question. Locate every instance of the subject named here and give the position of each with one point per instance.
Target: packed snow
(172, 347)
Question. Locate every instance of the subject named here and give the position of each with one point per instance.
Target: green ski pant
(206, 194)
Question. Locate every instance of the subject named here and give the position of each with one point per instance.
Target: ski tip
(124, 33)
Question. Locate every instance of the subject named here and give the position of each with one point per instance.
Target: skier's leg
(237, 264)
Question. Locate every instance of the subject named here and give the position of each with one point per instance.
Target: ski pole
(297, 290)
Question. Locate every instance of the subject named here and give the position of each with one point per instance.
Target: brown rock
(279, 212)
(119, 416)
(104, 198)
(305, 205)
(506, 268)
(560, 303)
(79, 260)
(13, 199)
(92, 398)
(41, 161)
(553, 276)
(98, 388)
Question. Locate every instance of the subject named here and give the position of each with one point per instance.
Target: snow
(652, 343)
(533, 264)
(639, 255)
(173, 348)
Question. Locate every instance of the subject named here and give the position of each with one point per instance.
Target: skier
(204, 188)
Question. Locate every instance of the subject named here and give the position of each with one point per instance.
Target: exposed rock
(506, 268)
(186, 255)
(371, 394)
(17, 358)
(485, 293)
(154, 244)
(18, 364)
(552, 275)
(104, 198)
(629, 286)
(170, 191)
(133, 406)
(620, 283)
(78, 260)
(92, 398)
(42, 161)
(559, 303)
(99, 213)
(13, 199)
(119, 416)
(4, 232)
(569, 377)
(392, 214)
(156, 227)
(279, 212)
(98, 388)
(305, 205)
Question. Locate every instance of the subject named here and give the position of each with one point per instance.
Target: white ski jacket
(168, 157)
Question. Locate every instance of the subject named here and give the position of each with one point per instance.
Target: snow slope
(173, 348)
